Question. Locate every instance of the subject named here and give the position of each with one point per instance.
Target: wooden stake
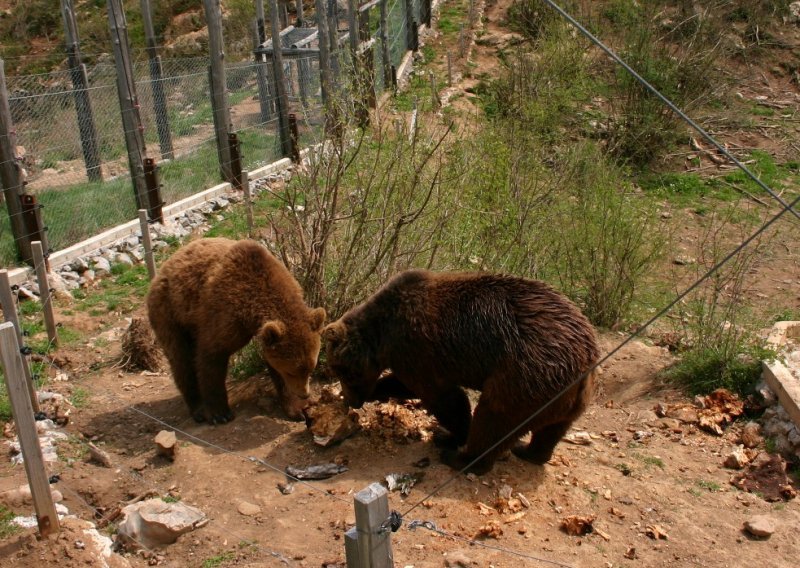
(22, 411)
(218, 86)
(372, 539)
(10, 313)
(248, 202)
(44, 292)
(148, 244)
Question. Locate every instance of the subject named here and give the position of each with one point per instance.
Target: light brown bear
(209, 300)
(518, 341)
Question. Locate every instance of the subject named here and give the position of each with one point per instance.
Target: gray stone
(761, 526)
(101, 265)
(154, 523)
(123, 258)
(69, 275)
(79, 265)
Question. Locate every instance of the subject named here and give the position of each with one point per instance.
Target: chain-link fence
(71, 141)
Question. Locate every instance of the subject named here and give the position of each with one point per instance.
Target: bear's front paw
(444, 439)
(222, 417)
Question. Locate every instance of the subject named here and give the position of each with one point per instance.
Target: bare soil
(640, 474)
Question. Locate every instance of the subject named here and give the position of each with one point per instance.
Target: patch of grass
(624, 469)
(30, 308)
(218, 560)
(122, 293)
(7, 528)
(80, 397)
(649, 461)
(771, 445)
(704, 370)
(711, 486)
(170, 499)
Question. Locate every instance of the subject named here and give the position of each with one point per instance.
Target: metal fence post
(22, 410)
(369, 546)
(44, 292)
(264, 101)
(218, 86)
(129, 102)
(11, 174)
(156, 77)
(154, 202)
(147, 243)
(236, 159)
(11, 315)
(281, 99)
(80, 83)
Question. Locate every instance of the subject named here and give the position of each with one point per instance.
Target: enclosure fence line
(53, 124)
(672, 106)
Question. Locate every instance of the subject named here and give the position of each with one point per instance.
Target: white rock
(154, 523)
(737, 459)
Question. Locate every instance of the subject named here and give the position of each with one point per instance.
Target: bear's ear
(272, 332)
(334, 332)
(317, 318)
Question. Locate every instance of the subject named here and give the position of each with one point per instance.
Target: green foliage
(603, 258)
(711, 486)
(247, 362)
(219, 559)
(704, 370)
(80, 397)
(7, 528)
(5, 403)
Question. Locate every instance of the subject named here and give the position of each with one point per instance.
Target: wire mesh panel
(396, 31)
(48, 125)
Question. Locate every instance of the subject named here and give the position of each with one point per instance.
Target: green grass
(80, 397)
(711, 486)
(170, 499)
(701, 371)
(7, 528)
(247, 362)
(650, 461)
(218, 560)
(624, 469)
(121, 293)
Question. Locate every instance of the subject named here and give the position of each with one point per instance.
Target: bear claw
(444, 439)
(222, 418)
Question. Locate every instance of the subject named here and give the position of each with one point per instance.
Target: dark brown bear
(517, 341)
(209, 300)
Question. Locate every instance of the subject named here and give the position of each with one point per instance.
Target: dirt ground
(639, 474)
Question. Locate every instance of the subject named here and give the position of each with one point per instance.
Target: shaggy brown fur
(518, 341)
(209, 299)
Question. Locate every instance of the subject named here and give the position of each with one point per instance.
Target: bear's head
(291, 347)
(353, 361)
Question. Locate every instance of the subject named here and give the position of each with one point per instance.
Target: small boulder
(153, 523)
(751, 435)
(248, 509)
(166, 443)
(761, 526)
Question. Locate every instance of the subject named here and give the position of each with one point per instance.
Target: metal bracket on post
(236, 159)
(154, 201)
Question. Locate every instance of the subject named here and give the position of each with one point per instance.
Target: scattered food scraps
(329, 420)
(577, 525)
(579, 438)
(766, 476)
(656, 532)
(491, 529)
